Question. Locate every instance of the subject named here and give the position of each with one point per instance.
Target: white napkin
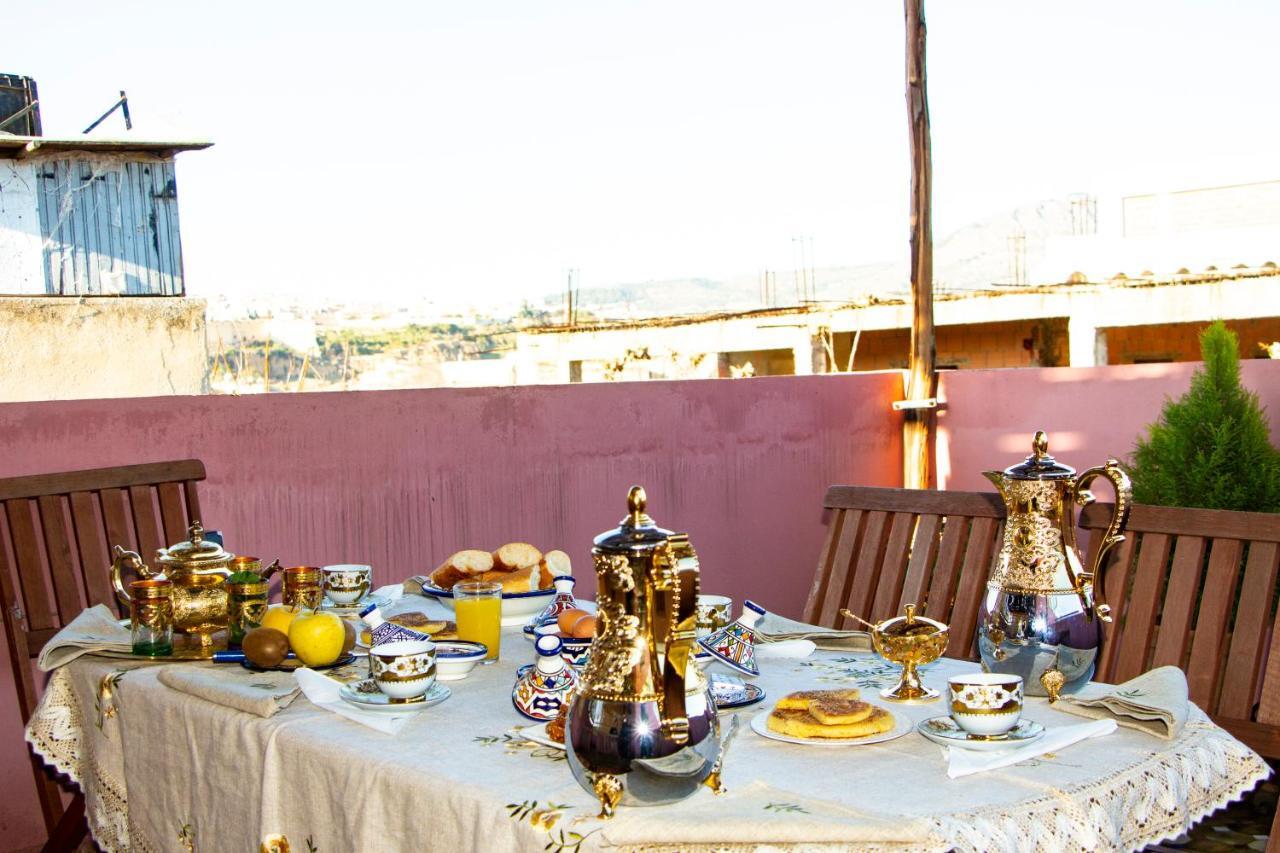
(93, 630)
(963, 762)
(323, 693)
(1154, 702)
(390, 593)
(785, 649)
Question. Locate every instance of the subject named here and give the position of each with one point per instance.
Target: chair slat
(950, 551)
(1115, 587)
(927, 502)
(91, 545)
(144, 522)
(973, 582)
(26, 551)
(924, 551)
(1181, 521)
(1205, 664)
(1249, 637)
(94, 479)
(57, 549)
(172, 515)
(1174, 635)
(1269, 702)
(115, 519)
(822, 577)
(1144, 603)
(867, 569)
(893, 567)
(193, 499)
(838, 585)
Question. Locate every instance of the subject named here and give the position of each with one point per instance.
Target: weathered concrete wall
(67, 348)
(21, 256)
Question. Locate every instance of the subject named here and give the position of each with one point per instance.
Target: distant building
(86, 224)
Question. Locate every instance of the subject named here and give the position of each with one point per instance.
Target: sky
(472, 152)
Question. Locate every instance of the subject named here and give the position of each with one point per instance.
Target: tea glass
(246, 605)
(713, 612)
(404, 669)
(151, 617)
(302, 587)
(347, 583)
(985, 704)
(477, 608)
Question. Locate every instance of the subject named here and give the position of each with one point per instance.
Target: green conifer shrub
(1211, 448)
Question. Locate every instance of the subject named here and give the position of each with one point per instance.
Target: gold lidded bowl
(910, 641)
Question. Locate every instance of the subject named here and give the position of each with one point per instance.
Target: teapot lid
(636, 532)
(195, 551)
(1039, 465)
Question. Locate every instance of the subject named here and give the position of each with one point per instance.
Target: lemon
(279, 616)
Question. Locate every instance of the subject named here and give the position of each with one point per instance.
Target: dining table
(163, 769)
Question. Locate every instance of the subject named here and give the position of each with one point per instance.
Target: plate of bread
(829, 718)
(526, 574)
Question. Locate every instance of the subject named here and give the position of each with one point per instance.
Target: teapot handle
(677, 586)
(1124, 498)
(122, 559)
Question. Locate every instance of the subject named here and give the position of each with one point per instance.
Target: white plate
(944, 730)
(358, 693)
(517, 607)
(537, 734)
(760, 725)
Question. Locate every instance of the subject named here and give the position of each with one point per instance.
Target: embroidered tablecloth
(164, 770)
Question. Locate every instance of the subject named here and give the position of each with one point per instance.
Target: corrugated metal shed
(110, 227)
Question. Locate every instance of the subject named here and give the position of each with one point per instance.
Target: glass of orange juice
(478, 610)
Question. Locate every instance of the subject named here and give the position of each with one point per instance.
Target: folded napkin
(414, 585)
(323, 693)
(772, 628)
(261, 693)
(962, 762)
(1154, 702)
(94, 630)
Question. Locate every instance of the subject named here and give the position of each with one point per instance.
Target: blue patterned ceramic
(542, 688)
(735, 645)
(576, 651)
(563, 601)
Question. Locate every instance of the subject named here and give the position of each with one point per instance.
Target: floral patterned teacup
(985, 704)
(346, 584)
(404, 669)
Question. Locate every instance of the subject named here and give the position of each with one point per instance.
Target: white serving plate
(760, 725)
(517, 607)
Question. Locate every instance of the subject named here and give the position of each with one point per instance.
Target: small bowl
(985, 704)
(575, 650)
(347, 583)
(456, 658)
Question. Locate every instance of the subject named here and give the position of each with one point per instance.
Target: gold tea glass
(302, 587)
(246, 605)
(151, 617)
(712, 613)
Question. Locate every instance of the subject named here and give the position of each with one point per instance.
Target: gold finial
(637, 502)
(1040, 444)
(911, 613)
(196, 531)
(1052, 680)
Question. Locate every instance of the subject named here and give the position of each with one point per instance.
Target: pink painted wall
(1089, 413)
(400, 479)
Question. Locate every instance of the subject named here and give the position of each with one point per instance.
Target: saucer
(944, 730)
(371, 598)
(365, 694)
(731, 693)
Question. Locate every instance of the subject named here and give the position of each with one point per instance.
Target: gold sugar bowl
(910, 641)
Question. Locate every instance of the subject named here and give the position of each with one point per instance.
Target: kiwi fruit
(265, 647)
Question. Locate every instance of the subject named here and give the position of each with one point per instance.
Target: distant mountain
(974, 257)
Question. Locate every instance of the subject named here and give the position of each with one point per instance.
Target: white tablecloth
(165, 770)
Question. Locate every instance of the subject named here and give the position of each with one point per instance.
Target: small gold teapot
(1041, 612)
(198, 569)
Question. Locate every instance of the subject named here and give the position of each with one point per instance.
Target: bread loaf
(520, 580)
(554, 564)
(463, 565)
(516, 555)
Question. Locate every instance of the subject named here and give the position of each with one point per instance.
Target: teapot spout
(999, 479)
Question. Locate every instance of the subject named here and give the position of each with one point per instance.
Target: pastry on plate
(802, 724)
(800, 701)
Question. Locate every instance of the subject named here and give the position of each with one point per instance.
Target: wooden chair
(57, 530)
(887, 548)
(1196, 588)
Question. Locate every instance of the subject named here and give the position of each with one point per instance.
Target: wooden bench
(59, 529)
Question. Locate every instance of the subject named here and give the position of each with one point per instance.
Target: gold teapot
(1041, 616)
(910, 641)
(642, 729)
(198, 569)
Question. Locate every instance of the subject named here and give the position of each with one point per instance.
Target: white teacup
(404, 669)
(347, 583)
(985, 704)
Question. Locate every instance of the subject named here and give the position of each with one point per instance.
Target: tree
(1210, 448)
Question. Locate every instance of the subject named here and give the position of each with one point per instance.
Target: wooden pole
(917, 428)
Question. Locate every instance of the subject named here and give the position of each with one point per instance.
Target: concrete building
(92, 297)
(1080, 324)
